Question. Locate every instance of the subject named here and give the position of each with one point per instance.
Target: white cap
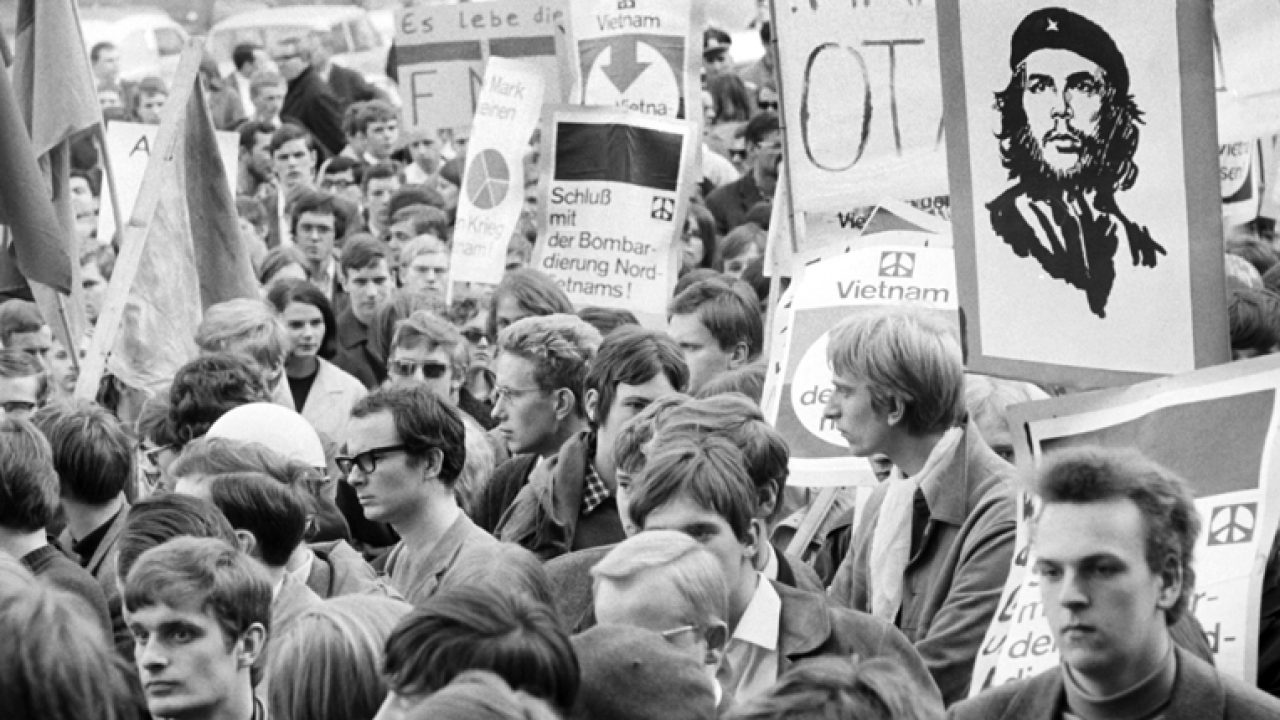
(279, 428)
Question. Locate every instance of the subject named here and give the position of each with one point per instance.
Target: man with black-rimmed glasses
(405, 449)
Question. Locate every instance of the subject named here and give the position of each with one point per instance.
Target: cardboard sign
(859, 85)
(901, 271)
(493, 185)
(442, 50)
(639, 55)
(1217, 429)
(1084, 185)
(129, 145)
(614, 199)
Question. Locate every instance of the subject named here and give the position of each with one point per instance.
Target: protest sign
(1082, 240)
(1217, 429)
(614, 197)
(129, 145)
(860, 86)
(901, 271)
(637, 54)
(492, 186)
(442, 49)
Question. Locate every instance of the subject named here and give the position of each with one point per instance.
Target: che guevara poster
(1082, 153)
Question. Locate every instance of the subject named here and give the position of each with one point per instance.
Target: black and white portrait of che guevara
(1069, 129)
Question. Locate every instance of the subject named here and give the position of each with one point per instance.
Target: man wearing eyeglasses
(405, 450)
(23, 384)
(729, 204)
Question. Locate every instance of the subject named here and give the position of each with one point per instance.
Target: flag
(192, 258)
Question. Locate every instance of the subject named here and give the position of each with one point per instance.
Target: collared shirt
(303, 572)
(750, 665)
(325, 281)
(770, 570)
(594, 489)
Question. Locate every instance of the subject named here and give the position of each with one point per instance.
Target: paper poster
(493, 184)
(1216, 428)
(859, 85)
(1085, 191)
(613, 206)
(901, 271)
(640, 55)
(129, 145)
(442, 49)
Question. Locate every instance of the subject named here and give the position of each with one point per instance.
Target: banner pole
(775, 282)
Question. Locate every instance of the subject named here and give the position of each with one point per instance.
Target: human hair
(1253, 317)
(277, 259)
(153, 422)
(249, 132)
(247, 327)
(244, 53)
(726, 313)
(327, 664)
(430, 245)
(424, 423)
(147, 87)
(317, 202)
(1241, 274)
(381, 171)
(759, 126)
(288, 132)
(987, 400)
(735, 418)
(606, 320)
(289, 291)
(1095, 475)
(1106, 159)
(251, 211)
(28, 483)
(96, 51)
(57, 663)
(560, 347)
(92, 453)
(210, 456)
(521, 573)
(407, 196)
(423, 220)
(634, 440)
(696, 275)
(274, 513)
(373, 111)
(363, 252)
(481, 695)
(906, 354)
(18, 317)
(1270, 279)
(382, 329)
(157, 519)
(747, 380)
(1259, 253)
(207, 387)
(478, 468)
(533, 292)
(21, 364)
(707, 470)
(464, 309)
(706, 222)
(223, 582)
(341, 164)
(633, 355)
(266, 79)
(483, 628)
(840, 687)
(694, 572)
(739, 240)
(425, 327)
(732, 102)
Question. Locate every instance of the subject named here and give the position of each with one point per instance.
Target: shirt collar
(770, 571)
(761, 622)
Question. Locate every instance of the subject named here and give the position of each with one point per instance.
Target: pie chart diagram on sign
(488, 179)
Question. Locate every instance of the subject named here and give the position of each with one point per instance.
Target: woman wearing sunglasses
(322, 392)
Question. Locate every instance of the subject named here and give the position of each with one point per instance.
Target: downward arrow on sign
(623, 68)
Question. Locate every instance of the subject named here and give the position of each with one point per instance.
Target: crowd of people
(359, 501)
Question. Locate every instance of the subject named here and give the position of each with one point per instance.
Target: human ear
(565, 403)
(767, 499)
(716, 635)
(246, 542)
(1170, 582)
(897, 410)
(740, 356)
(251, 644)
(592, 401)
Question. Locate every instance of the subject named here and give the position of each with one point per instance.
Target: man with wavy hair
(1068, 135)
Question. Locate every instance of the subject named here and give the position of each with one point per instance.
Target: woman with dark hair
(525, 293)
(322, 392)
(698, 242)
(280, 263)
(732, 101)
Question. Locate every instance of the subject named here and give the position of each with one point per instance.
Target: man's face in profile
(1063, 100)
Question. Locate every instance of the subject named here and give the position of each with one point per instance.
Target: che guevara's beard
(1036, 172)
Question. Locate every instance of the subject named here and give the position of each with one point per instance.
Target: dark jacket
(955, 576)
(729, 203)
(812, 627)
(546, 516)
(102, 566)
(55, 569)
(312, 104)
(353, 352)
(501, 490)
(350, 86)
(1200, 693)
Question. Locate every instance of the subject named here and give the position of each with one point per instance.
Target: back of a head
(328, 662)
(694, 572)
(18, 316)
(246, 327)
(730, 316)
(480, 628)
(606, 320)
(831, 687)
(28, 483)
(533, 292)
(275, 514)
(91, 451)
(479, 695)
(633, 442)
(634, 674)
(509, 568)
(1253, 317)
(57, 664)
(747, 381)
(707, 470)
(16, 363)
(206, 388)
(155, 520)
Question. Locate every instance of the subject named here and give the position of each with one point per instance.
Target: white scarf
(891, 539)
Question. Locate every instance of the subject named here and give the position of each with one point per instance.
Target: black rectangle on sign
(618, 153)
(439, 52)
(517, 47)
